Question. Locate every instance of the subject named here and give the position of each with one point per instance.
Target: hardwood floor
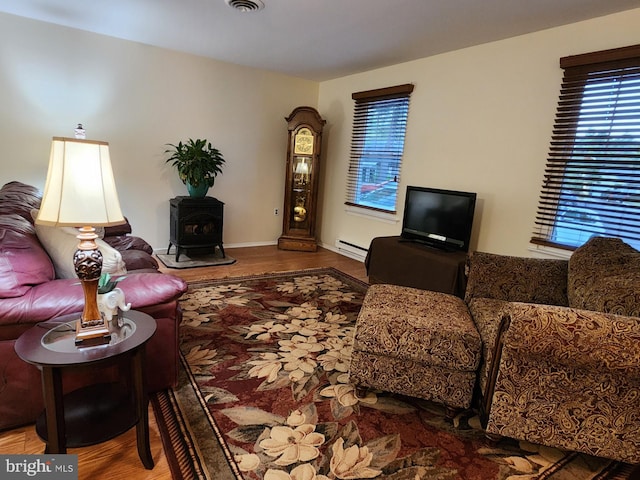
(118, 458)
(257, 260)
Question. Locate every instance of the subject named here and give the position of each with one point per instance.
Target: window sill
(542, 251)
(364, 212)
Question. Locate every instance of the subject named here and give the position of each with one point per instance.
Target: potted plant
(106, 283)
(198, 163)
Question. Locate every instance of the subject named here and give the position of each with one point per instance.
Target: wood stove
(196, 225)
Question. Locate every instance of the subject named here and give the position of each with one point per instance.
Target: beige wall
(480, 120)
(138, 98)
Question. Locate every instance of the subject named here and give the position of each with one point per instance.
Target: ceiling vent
(246, 5)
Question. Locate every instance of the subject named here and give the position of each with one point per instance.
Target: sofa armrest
(575, 338)
(569, 379)
(517, 279)
(148, 289)
(61, 296)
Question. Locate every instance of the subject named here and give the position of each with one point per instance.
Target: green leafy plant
(196, 161)
(106, 283)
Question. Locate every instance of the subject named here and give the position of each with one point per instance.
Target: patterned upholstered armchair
(561, 347)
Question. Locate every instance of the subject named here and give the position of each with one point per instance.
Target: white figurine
(108, 303)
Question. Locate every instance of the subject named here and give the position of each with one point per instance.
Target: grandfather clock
(301, 186)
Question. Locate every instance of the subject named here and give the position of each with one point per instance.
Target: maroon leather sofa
(30, 294)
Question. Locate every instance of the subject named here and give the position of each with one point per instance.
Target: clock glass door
(302, 176)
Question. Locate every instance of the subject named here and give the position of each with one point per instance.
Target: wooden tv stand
(411, 264)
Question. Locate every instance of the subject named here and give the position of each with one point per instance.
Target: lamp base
(90, 336)
(92, 328)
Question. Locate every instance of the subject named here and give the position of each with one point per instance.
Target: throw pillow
(604, 276)
(61, 243)
(617, 294)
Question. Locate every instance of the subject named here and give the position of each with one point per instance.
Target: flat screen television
(439, 218)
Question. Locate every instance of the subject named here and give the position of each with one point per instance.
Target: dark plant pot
(199, 191)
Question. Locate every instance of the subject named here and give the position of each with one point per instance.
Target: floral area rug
(264, 394)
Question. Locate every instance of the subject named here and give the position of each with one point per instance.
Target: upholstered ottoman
(417, 343)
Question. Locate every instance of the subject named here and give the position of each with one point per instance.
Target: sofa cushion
(138, 260)
(23, 261)
(517, 279)
(128, 242)
(604, 276)
(118, 230)
(61, 243)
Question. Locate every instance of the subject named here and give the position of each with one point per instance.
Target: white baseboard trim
(348, 249)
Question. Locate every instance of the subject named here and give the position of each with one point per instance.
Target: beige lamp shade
(80, 189)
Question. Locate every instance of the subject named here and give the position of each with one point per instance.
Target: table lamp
(80, 192)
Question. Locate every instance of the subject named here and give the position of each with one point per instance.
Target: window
(377, 144)
(592, 179)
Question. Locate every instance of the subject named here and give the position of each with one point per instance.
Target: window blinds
(591, 183)
(379, 125)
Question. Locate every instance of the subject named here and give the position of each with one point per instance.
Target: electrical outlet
(276, 211)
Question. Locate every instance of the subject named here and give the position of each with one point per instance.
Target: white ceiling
(320, 39)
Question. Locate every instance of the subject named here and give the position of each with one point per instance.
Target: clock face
(303, 142)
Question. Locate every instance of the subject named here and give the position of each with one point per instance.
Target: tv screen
(439, 218)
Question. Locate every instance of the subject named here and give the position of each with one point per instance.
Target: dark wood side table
(98, 412)
(409, 264)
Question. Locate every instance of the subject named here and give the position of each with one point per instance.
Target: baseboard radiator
(352, 250)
